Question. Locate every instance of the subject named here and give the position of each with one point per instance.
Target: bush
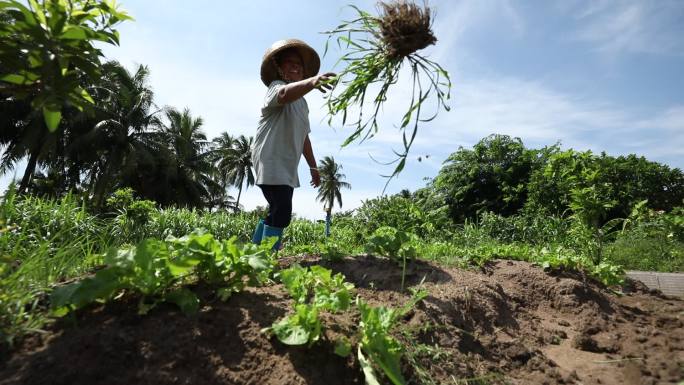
(651, 240)
(401, 213)
(493, 176)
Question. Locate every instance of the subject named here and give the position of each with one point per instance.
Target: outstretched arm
(293, 91)
(311, 161)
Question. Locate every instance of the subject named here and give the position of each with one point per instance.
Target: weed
(378, 48)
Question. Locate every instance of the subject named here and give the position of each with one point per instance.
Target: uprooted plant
(378, 47)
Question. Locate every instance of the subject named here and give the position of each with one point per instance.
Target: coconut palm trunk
(28, 172)
(237, 202)
(327, 221)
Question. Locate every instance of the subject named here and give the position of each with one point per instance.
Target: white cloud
(540, 116)
(632, 26)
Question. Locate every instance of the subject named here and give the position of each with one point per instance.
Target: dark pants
(279, 198)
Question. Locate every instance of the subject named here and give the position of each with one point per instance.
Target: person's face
(292, 67)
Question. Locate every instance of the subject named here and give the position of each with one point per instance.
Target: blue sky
(597, 75)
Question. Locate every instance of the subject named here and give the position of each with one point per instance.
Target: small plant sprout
(377, 48)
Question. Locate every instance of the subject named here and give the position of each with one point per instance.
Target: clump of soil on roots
(507, 323)
(405, 27)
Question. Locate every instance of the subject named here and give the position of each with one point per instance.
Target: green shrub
(529, 228)
(650, 240)
(401, 213)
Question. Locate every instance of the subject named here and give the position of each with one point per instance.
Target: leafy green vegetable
(313, 289)
(397, 245)
(377, 342)
(299, 328)
(186, 300)
(155, 268)
(317, 285)
(367, 367)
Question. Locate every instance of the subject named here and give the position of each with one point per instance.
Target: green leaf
(343, 347)
(38, 11)
(145, 253)
(290, 333)
(180, 266)
(368, 372)
(323, 274)
(105, 283)
(186, 300)
(72, 32)
(52, 116)
(61, 297)
(20, 79)
(294, 280)
(124, 257)
(102, 286)
(382, 348)
(258, 261)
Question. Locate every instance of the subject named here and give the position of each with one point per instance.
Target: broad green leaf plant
(395, 244)
(313, 289)
(47, 49)
(157, 270)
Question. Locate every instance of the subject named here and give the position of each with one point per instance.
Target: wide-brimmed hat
(269, 72)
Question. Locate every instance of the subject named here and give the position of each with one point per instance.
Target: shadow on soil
(370, 272)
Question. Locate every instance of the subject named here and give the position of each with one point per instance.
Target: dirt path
(509, 323)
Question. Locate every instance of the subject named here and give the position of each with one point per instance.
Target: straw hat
(269, 72)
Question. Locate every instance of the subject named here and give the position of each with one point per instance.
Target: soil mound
(507, 323)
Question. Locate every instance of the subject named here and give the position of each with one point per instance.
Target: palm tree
(221, 148)
(23, 135)
(124, 133)
(331, 184)
(27, 139)
(192, 171)
(235, 162)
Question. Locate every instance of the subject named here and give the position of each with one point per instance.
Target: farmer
(290, 70)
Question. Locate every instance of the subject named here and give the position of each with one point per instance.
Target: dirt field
(508, 323)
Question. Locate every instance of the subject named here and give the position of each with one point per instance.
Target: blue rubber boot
(271, 231)
(258, 232)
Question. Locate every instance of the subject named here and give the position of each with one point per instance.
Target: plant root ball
(405, 27)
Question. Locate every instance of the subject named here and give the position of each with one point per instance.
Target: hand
(315, 177)
(324, 82)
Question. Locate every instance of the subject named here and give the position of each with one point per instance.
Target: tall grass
(42, 242)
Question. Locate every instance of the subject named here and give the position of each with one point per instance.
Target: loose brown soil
(507, 323)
